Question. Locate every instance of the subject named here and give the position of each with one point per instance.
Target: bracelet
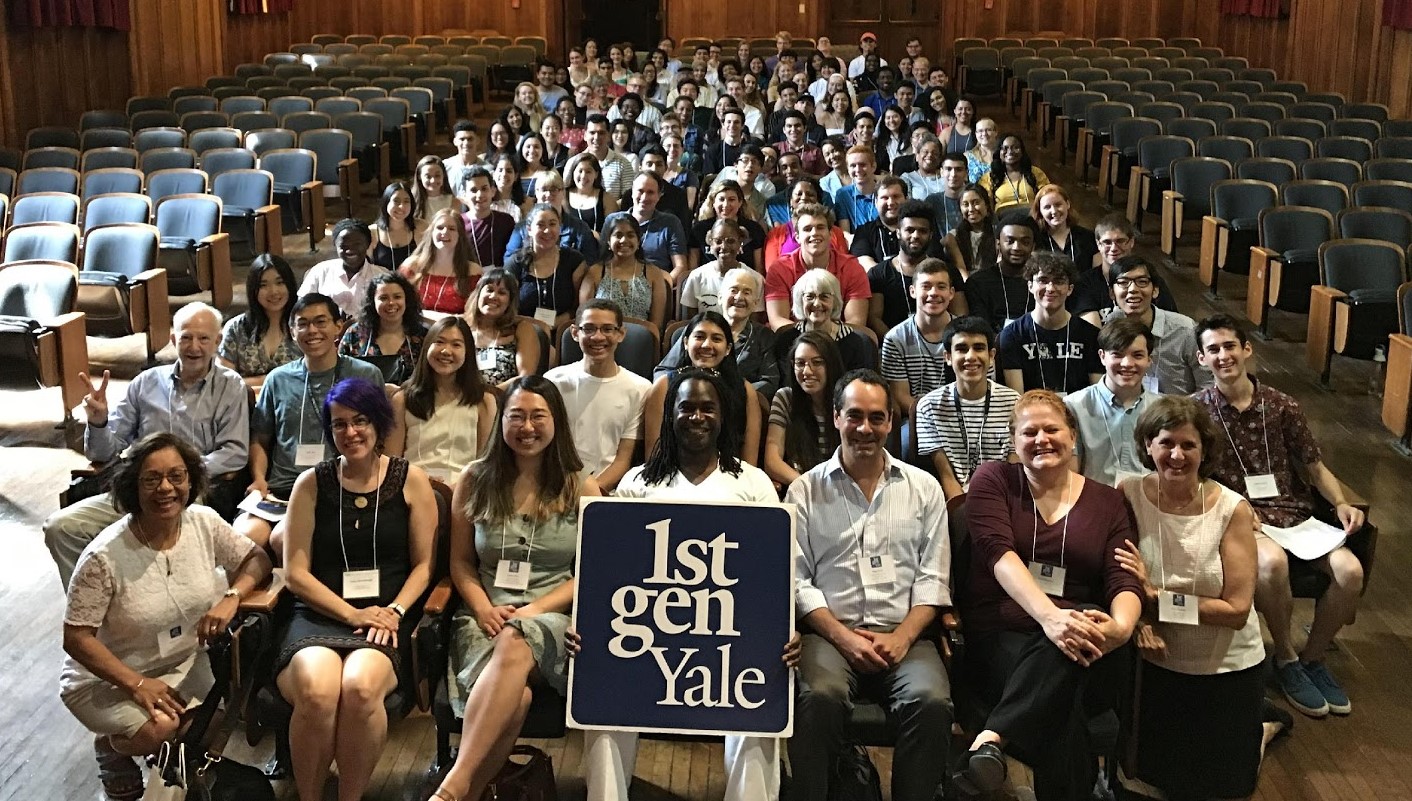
(139, 684)
(398, 608)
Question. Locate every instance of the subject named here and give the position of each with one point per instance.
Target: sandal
(441, 794)
(120, 774)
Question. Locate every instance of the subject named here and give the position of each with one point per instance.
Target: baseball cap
(868, 35)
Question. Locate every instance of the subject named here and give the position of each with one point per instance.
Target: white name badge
(876, 569)
(1149, 383)
(1177, 607)
(1008, 321)
(1261, 486)
(485, 359)
(512, 574)
(308, 455)
(360, 584)
(1050, 578)
(544, 315)
(176, 640)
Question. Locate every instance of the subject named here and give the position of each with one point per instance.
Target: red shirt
(781, 276)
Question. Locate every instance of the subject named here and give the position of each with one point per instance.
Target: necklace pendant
(360, 502)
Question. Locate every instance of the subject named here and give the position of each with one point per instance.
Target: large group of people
(882, 308)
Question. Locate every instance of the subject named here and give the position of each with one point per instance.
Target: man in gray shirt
(195, 398)
(1175, 368)
(871, 577)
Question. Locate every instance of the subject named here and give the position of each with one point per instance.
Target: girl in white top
(431, 191)
(444, 414)
(1199, 727)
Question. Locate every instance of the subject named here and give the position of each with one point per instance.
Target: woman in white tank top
(1198, 727)
(445, 412)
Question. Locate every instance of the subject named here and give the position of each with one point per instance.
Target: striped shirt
(972, 437)
(908, 356)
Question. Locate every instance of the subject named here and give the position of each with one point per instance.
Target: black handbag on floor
(855, 777)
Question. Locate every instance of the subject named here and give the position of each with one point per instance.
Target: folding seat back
(288, 71)
(1304, 128)
(1108, 88)
(267, 139)
(95, 138)
(1270, 170)
(318, 93)
(1289, 148)
(370, 72)
(1088, 75)
(52, 241)
(1326, 195)
(194, 103)
(198, 120)
(1371, 130)
(120, 288)
(335, 106)
(365, 93)
(47, 179)
(1366, 111)
(102, 118)
(41, 336)
(168, 158)
(51, 136)
(1340, 171)
(367, 130)
(345, 83)
(1240, 201)
(306, 121)
(1161, 111)
(1156, 153)
(1392, 194)
(1231, 149)
(65, 157)
(105, 157)
(391, 83)
(225, 159)
(1297, 88)
(1133, 75)
(1070, 62)
(1193, 128)
(150, 103)
(208, 139)
(1216, 75)
(273, 60)
(980, 69)
(248, 71)
(336, 167)
(1245, 127)
(1293, 234)
(1344, 147)
(1199, 87)
(1323, 112)
(1250, 88)
(1376, 222)
(295, 173)
(193, 250)
(117, 207)
(1397, 128)
(112, 179)
(290, 104)
(1361, 278)
(165, 183)
(1216, 112)
(1193, 178)
(44, 207)
(1388, 170)
(248, 121)
(241, 104)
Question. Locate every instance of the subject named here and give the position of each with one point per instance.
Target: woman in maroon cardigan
(1045, 604)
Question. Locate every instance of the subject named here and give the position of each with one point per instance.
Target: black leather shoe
(981, 774)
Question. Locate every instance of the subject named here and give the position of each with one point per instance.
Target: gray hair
(191, 310)
(818, 281)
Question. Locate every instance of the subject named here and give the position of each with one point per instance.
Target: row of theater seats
(1307, 196)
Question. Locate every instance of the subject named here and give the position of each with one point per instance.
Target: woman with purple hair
(358, 551)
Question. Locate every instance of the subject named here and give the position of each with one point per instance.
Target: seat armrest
(1173, 203)
(1318, 345)
(70, 330)
(151, 309)
(1258, 283)
(1397, 386)
(269, 230)
(213, 271)
(439, 598)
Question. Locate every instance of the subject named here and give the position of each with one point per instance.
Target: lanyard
(972, 461)
(553, 280)
(1016, 188)
(304, 401)
(1039, 352)
(1067, 249)
(907, 299)
(863, 526)
(529, 544)
(489, 227)
(377, 503)
(1034, 539)
(1264, 429)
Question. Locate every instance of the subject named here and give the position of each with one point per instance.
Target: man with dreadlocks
(695, 459)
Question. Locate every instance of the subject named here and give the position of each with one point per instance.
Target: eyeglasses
(810, 297)
(1114, 243)
(151, 481)
(359, 423)
(319, 323)
(1141, 282)
(592, 330)
(813, 364)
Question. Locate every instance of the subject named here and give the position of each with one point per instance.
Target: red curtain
(1398, 14)
(70, 13)
(1251, 8)
(261, 6)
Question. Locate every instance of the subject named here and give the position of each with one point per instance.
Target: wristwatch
(232, 593)
(396, 607)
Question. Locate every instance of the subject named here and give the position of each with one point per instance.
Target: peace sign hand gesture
(95, 403)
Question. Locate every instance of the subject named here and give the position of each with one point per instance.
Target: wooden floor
(45, 754)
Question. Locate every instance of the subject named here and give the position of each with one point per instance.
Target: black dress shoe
(981, 773)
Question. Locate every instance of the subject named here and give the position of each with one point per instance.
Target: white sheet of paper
(1308, 540)
(271, 508)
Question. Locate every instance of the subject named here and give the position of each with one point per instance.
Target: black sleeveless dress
(309, 627)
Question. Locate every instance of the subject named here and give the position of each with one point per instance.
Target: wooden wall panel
(53, 75)
(175, 43)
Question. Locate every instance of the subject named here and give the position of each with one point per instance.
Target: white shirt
(329, 277)
(906, 520)
(702, 289)
(855, 67)
(604, 411)
(751, 486)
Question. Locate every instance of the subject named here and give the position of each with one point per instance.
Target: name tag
(512, 574)
(1008, 321)
(544, 315)
(876, 569)
(1149, 383)
(1177, 607)
(485, 359)
(1261, 486)
(176, 640)
(361, 584)
(1050, 578)
(308, 455)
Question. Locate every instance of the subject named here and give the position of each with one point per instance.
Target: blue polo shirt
(855, 208)
(662, 237)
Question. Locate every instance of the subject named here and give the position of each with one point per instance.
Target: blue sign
(684, 610)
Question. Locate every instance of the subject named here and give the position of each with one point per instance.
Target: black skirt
(1199, 736)
(309, 629)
